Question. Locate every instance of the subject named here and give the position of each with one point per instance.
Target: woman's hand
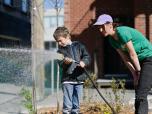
(136, 76)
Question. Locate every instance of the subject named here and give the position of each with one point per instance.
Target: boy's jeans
(72, 93)
(144, 86)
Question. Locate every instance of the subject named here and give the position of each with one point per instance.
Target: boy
(75, 59)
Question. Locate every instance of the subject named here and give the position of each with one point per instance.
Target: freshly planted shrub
(27, 100)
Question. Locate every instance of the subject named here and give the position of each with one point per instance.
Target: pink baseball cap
(102, 19)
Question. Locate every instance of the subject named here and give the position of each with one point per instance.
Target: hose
(86, 72)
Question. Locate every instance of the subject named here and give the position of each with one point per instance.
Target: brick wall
(78, 14)
(143, 17)
(79, 17)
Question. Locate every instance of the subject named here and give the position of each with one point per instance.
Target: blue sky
(49, 4)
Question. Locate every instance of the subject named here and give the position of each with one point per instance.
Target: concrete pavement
(10, 101)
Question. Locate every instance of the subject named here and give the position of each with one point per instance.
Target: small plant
(117, 96)
(27, 100)
(105, 109)
(118, 90)
(87, 83)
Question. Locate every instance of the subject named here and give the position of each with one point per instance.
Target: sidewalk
(10, 102)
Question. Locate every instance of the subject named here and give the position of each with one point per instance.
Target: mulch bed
(88, 108)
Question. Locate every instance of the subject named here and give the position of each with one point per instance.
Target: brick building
(81, 14)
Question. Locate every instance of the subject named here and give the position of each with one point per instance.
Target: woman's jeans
(72, 93)
(144, 86)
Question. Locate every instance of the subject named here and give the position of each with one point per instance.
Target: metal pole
(58, 72)
(52, 76)
(58, 78)
(33, 60)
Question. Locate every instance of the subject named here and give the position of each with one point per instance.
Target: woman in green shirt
(136, 52)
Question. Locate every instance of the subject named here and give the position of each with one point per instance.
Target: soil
(89, 108)
(86, 109)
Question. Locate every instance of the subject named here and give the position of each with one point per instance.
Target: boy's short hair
(61, 31)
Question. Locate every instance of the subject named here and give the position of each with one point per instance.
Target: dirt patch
(90, 108)
(48, 110)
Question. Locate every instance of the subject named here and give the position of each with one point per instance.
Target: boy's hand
(82, 64)
(67, 60)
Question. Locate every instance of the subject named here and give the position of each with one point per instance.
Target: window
(8, 2)
(9, 43)
(61, 20)
(24, 6)
(51, 21)
(47, 22)
(50, 45)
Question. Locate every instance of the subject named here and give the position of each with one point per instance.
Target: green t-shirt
(141, 45)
